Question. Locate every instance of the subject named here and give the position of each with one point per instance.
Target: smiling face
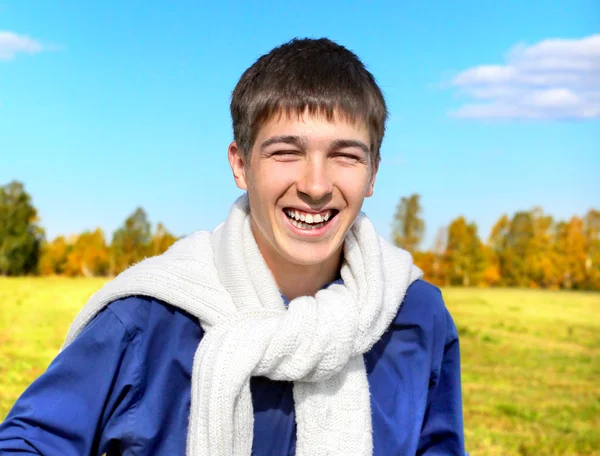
(306, 180)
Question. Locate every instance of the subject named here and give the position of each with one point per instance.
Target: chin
(309, 255)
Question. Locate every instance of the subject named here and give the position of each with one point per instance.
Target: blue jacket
(123, 387)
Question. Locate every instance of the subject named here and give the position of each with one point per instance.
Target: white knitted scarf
(317, 342)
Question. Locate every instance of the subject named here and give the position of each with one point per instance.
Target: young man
(292, 328)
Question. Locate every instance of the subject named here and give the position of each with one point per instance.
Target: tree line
(25, 251)
(525, 249)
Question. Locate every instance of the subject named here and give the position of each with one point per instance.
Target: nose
(315, 181)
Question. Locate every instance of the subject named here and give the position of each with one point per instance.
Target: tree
(131, 242)
(571, 249)
(20, 236)
(161, 240)
(425, 261)
(408, 225)
(54, 255)
(591, 223)
(89, 255)
(525, 251)
(543, 263)
(518, 246)
(491, 274)
(464, 253)
(432, 262)
(439, 250)
(497, 241)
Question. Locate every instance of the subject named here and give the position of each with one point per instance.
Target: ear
(237, 163)
(371, 187)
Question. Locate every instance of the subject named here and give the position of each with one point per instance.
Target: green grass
(531, 370)
(530, 360)
(35, 315)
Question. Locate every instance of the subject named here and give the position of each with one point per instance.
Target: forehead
(313, 127)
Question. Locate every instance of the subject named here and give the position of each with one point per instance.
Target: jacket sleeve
(65, 410)
(442, 432)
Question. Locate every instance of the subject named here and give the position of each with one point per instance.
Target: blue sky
(106, 106)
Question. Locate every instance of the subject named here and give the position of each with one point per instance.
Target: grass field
(530, 359)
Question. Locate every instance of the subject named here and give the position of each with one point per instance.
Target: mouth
(310, 221)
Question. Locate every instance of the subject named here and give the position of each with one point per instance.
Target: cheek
(264, 189)
(354, 187)
(274, 180)
(287, 172)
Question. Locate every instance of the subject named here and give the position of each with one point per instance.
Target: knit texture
(317, 342)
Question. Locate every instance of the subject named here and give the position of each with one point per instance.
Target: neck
(296, 280)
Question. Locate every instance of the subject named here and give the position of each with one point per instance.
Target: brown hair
(314, 75)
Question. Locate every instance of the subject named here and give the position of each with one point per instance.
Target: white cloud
(11, 44)
(552, 79)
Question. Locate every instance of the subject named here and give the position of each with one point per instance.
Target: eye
(350, 158)
(285, 154)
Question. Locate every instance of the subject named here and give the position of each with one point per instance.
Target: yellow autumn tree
(497, 243)
(161, 240)
(592, 249)
(571, 251)
(490, 276)
(89, 255)
(54, 257)
(464, 254)
(543, 263)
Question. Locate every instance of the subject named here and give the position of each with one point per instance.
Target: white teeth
(310, 219)
(306, 226)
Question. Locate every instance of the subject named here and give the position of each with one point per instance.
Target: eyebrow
(346, 143)
(285, 139)
(301, 142)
